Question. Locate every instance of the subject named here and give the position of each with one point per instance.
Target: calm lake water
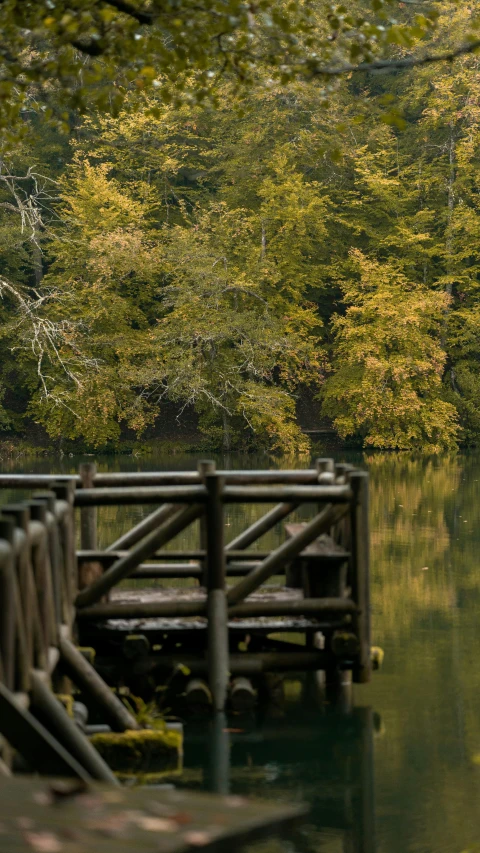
(403, 773)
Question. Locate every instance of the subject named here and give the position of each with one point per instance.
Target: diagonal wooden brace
(124, 567)
(286, 552)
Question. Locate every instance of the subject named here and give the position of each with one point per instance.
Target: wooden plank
(96, 818)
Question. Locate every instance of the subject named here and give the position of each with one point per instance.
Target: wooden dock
(218, 636)
(72, 817)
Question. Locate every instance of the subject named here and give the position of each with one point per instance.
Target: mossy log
(146, 751)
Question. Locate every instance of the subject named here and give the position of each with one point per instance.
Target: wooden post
(88, 572)
(48, 499)
(36, 643)
(218, 668)
(65, 492)
(42, 571)
(7, 603)
(204, 468)
(360, 582)
(219, 755)
(324, 466)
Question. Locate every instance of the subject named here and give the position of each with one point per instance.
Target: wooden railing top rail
(159, 478)
(198, 494)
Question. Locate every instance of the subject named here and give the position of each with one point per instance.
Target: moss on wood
(146, 751)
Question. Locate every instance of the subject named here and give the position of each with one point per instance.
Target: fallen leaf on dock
(156, 824)
(43, 842)
(197, 838)
(234, 802)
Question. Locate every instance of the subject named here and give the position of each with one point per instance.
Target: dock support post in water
(218, 668)
(358, 481)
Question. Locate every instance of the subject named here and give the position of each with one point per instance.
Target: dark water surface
(403, 773)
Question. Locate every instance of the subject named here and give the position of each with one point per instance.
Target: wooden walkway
(220, 633)
(39, 816)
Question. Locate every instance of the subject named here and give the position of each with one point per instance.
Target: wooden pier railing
(54, 598)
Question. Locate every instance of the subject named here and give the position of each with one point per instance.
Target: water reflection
(325, 760)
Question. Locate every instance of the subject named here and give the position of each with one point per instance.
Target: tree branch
(398, 64)
(128, 9)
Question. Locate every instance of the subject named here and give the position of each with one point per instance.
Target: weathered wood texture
(38, 580)
(325, 560)
(76, 818)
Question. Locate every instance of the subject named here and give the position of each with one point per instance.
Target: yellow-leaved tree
(388, 364)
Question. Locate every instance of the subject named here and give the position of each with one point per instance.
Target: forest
(231, 256)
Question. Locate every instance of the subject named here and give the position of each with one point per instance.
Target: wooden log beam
(232, 494)
(261, 526)
(243, 697)
(140, 495)
(287, 494)
(285, 553)
(144, 609)
(296, 607)
(251, 664)
(198, 607)
(31, 481)
(157, 478)
(146, 525)
(197, 694)
(109, 557)
(53, 716)
(163, 478)
(87, 678)
(32, 740)
(125, 565)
